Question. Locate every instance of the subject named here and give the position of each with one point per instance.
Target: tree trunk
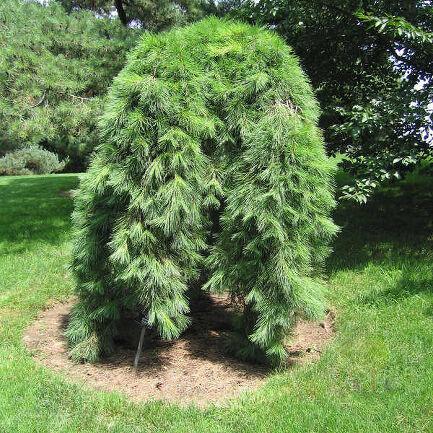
(121, 12)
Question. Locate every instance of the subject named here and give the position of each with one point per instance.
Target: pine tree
(211, 163)
(55, 69)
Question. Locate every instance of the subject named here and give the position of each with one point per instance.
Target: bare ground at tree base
(195, 369)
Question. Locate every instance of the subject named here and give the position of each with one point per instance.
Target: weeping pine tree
(211, 164)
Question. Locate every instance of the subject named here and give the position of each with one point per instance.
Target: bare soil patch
(70, 193)
(192, 369)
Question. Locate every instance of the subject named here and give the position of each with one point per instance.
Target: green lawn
(376, 376)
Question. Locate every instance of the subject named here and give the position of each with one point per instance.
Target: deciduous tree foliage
(211, 163)
(370, 63)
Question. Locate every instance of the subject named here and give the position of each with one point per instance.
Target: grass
(376, 376)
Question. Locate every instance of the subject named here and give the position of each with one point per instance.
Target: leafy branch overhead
(396, 26)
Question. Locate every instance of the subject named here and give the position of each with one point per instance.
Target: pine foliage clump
(211, 164)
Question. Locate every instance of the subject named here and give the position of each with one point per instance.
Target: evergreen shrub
(211, 167)
(30, 160)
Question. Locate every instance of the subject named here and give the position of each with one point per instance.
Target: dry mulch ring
(193, 369)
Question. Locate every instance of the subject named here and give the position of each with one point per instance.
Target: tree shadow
(204, 340)
(396, 223)
(412, 282)
(124, 351)
(210, 334)
(394, 231)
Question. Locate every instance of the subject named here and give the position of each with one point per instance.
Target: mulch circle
(193, 369)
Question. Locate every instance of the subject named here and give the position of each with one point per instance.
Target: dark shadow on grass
(395, 224)
(410, 284)
(34, 209)
(394, 230)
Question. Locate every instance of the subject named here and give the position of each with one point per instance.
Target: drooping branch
(144, 212)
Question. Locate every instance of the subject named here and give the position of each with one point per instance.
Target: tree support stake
(140, 344)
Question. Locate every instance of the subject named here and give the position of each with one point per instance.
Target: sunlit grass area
(376, 376)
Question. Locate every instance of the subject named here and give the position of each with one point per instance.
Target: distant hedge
(211, 166)
(30, 160)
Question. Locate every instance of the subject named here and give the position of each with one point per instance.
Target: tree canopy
(211, 169)
(369, 63)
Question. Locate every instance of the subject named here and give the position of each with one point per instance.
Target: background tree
(211, 163)
(54, 70)
(371, 65)
(153, 15)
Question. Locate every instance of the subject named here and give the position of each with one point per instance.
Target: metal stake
(140, 344)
